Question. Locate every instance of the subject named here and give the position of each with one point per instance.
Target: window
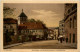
(4, 26)
(12, 30)
(70, 22)
(73, 22)
(62, 24)
(40, 30)
(70, 38)
(55, 32)
(33, 30)
(73, 38)
(11, 27)
(74, 7)
(22, 31)
(62, 29)
(22, 18)
(26, 31)
(19, 31)
(29, 31)
(69, 11)
(74, 17)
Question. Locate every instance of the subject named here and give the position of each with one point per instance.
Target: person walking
(61, 40)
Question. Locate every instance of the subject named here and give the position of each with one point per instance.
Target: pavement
(12, 45)
(74, 45)
(46, 44)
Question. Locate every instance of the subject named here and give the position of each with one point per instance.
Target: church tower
(22, 18)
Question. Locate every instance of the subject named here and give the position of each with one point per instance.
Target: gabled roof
(33, 25)
(22, 27)
(22, 14)
(50, 30)
(9, 21)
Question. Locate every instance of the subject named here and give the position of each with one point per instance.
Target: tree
(7, 36)
(7, 11)
(39, 21)
(32, 20)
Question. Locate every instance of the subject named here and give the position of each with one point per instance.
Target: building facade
(70, 21)
(10, 31)
(22, 31)
(50, 34)
(31, 30)
(56, 33)
(61, 28)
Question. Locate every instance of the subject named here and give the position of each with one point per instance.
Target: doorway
(73, 38)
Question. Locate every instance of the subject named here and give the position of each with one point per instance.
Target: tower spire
(22, 10)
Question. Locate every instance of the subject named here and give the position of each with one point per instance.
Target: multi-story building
(70, 22)
(61, 28)
(50, 34)
(31, 30)
(34, 29)
(56, 33)
(10, 31)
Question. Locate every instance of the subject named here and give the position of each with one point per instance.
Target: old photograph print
(39, 25)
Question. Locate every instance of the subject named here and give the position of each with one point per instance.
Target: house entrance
(73, 38)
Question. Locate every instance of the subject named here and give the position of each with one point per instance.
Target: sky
(49, 13)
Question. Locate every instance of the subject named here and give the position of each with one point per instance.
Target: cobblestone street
(47, 44)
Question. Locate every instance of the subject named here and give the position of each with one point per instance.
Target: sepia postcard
(40, 26)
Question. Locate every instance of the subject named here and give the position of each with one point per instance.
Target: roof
(50, 30)
(22, 14)
(10, 21)
(22, 27)
(56, 28)
(33, 25)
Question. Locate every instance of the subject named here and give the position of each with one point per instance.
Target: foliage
(8, 37)
(19, 38)
(27, 38)
(7, 11)
(31, 20)
(41, 22)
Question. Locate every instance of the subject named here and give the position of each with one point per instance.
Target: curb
(8, 46)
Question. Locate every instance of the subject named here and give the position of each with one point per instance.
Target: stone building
(70, 20)
(50, 34)
(31, 30)
(34, 29)
(56, 33)
(61, 28)
(10, 31)
(22, 31)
